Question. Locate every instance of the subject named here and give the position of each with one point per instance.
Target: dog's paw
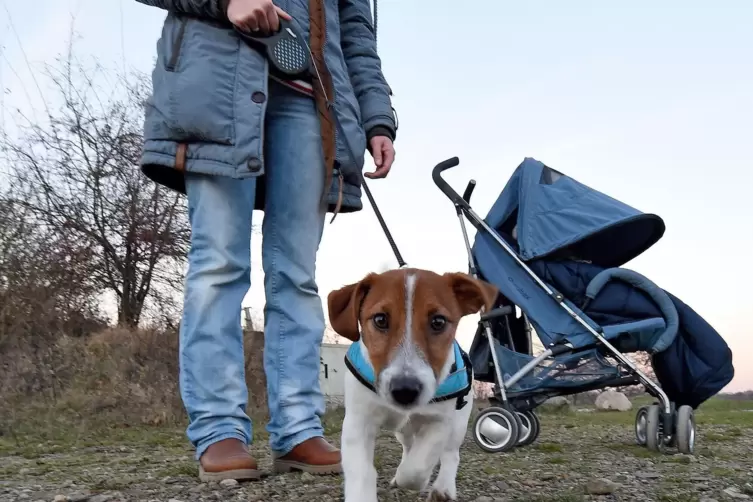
(410, 478)
(439, 496)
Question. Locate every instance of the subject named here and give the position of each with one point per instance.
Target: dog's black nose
(405, 390)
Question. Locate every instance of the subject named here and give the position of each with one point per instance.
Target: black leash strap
(378, 213)
(290, 56)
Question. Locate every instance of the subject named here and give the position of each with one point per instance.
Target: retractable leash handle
(290, 56)
(285, 49)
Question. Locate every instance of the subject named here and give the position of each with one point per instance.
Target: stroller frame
(526, 427)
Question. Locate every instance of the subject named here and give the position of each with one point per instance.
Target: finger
(250, 25)
(261, 19)
(371, 174)
(388, 157)
(283, 14)
(247, 22)
(271, 15)
(239, 21)
(379, 173)
(377, 154)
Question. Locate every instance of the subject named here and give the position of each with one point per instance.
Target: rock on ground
(735, 493)
(557, 402)
(613, 400)
(601, 487)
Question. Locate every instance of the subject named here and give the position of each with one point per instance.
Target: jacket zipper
(177, 44)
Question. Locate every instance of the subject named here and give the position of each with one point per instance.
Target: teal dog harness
(457, 385)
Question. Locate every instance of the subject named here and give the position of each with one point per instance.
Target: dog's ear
(344, 304)
(471, 293)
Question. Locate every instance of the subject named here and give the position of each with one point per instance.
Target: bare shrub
(80, 225)
(76, 176)
(118, 376)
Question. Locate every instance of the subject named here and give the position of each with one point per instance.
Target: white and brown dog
(407, 374)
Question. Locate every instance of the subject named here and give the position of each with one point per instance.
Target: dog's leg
(414, 472)
(444, 489)
(405, 436)
(358, 441)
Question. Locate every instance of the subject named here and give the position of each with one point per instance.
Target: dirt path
(579, 456)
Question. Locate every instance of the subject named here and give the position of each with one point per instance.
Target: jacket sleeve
(215, 9)
(358, 44)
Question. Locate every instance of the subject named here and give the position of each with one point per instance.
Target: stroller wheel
(530, 428)
(685, 429)
(496, 430)
(640, 425)
(655, 440)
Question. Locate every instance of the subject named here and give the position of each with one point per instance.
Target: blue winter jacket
(209, 92)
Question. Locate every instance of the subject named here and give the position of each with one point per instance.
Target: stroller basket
(583, 369)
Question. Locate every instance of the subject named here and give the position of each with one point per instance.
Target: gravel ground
(579, 456)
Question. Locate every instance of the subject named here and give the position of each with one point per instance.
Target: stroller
(554, 247)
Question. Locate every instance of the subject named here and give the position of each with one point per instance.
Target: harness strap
(459, 395)
(358, 374)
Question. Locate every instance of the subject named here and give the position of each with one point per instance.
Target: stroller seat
(584, 364)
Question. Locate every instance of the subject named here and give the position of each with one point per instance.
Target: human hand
(256, 15)
(383, 152)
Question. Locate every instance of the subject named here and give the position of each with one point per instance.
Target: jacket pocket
(351, 140)
(194, 97)
(173, 55)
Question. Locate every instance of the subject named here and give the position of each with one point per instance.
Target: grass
(549, 447)
(42, 431)
(567, 497)
(180, 468)
(722, 472)
(637, 451)
(557, 460)
(676, 497)
(33, 443)
(715, 411)
(333, 421)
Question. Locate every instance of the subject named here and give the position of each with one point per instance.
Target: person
(220, 128)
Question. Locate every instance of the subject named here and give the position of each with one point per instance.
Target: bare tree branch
(77, 177)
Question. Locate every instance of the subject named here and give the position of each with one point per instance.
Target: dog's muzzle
(405, 390)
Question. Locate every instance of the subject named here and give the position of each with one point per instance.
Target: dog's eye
(380, 322)
(437, 323)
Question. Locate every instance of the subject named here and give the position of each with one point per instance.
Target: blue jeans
(212, 378)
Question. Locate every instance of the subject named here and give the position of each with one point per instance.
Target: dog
(406, 374)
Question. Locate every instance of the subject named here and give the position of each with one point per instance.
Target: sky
(648, 102)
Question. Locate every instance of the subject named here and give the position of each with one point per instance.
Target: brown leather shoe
(315, 456)
(227, 459)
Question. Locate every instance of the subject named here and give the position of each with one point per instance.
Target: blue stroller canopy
(556, 216)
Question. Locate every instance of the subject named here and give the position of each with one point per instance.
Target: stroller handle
(436, 175)
(469, 191)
